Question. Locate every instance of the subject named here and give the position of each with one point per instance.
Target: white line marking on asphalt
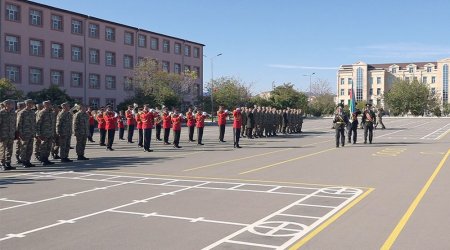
(16, 201)
(401, 130)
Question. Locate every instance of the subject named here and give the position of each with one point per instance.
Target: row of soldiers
(47, 129)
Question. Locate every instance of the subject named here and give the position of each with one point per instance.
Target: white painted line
(398, 131)
(273, 189)
(251, 244)
(233, 188)
(16, 201)
(329, 196)
(300, 216)
(310, 205)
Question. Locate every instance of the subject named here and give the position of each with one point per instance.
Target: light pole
(212, 85)
(309, 96)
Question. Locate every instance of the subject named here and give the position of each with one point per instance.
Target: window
(35, 17)
(429, 69)
(445, 84)
(433, 79)
(378, 91)
(359, 84)
(197, 71)
(110, 82)
(110, 58)
(13, 73)
(94, 102)
(178, 48)
(187, 50)
(350, 81)
(187, 69)
(57, 77)
(378, 80)
(142, 41)
(166, 46)
(94, 56)
(94, 81)
(57, 22)
(57, 51)
(76, 79)
(110, 34)
(77, 27)
(342, 81)
(370, 91)
(394, 70)
(166, 66)
(407, 79)
(177, 68)
(111, 102)
(411, 69)
(128, 38)
(12, 12)
(424, 80)
(196, 52)
(127, 61)
(77, 54)
(370, 80)
(154, 43)
(127, 83)
(77, 99)
(36, 47)
(342, 92)
(94, 30)
(35, 76)
(12, 44)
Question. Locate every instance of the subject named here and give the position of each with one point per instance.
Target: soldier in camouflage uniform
(244, 121)
(45, 131)
(20, 107)
(26, 130)
(37, 142)
(64, 131)
(7, 134)
(257, 117)
(55, 144)
(81, 131)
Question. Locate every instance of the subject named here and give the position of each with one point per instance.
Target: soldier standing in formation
(200, 124)
(55, 144)
(237, 123)
(158, 123)
(37, 142)
(45, 127)
(101, 125)
(244, 122)
(110, 126)
(91, 124)
(250, 123)
(222, 121)
(167, 124)
(121, 124)
(340, 120)
(368, 119)
(20, 107)
(81, 131)
(7, 134)
(177, 119)
(147, 126)
(131, 123)
(64, 131)
(26, 131)
(190, 122)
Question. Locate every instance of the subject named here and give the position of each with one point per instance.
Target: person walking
(340, 120)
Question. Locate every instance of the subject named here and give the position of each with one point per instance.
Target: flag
(352, 102)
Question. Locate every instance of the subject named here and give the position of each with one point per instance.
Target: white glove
(115, 114)
(204, 113)
(170, 113)
(226, 111)
(135, 105)
(133, 112)
(152, 110)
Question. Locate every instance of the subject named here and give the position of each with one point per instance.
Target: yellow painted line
(313, 233)
(247, 157)
(286, 161)
(229, 179)
(401, 224)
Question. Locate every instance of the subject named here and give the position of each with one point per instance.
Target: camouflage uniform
(64, 132)
(45, 130)
(55, 141)
(81, 131)
(7, 135)
(26, 128)
(20, 107)
(37, 142)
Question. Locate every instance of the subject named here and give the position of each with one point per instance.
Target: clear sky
(265, 41)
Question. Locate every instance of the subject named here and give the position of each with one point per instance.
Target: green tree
(259, 101)
(322, 99)
(9, 91)
(405, 97)
(53, 93)
(285, 96)
(230, 92)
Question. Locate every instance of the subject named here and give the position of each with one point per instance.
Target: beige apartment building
(91, 58)
(370, 81)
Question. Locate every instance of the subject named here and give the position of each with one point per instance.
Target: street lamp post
(310, 76)
(212, 85)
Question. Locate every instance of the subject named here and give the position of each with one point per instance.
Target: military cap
(20, 104)
(64, 104)
(46, 102)
(27, 101)
(7, 101)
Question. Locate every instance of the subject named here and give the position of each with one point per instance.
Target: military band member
(110, 126)
(7, 134)
(90, 114)
(222, 121)
(101, 124)
(368, 119)
(190, 123)
(45, 130)
(158, 123)
(177, 119)
(167, 124)
(237, 123)
(340, 120)
(353, 128)
(121, 124)
(139, 127)
(26, 131)
(20, 107)
(200, 124)
(64, 131)
(81, 131)
(147, 126)
(131, 123)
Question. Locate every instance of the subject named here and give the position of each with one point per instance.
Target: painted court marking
(314, 206)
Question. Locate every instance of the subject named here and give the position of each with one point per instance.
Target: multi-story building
(91, 58)
(370, 81)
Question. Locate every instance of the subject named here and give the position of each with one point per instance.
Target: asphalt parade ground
(284, 192)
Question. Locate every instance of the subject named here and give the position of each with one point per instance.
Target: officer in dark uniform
(368, 119)
(340, 122)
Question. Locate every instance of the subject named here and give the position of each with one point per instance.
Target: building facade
(371, 81)
(91, 58)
